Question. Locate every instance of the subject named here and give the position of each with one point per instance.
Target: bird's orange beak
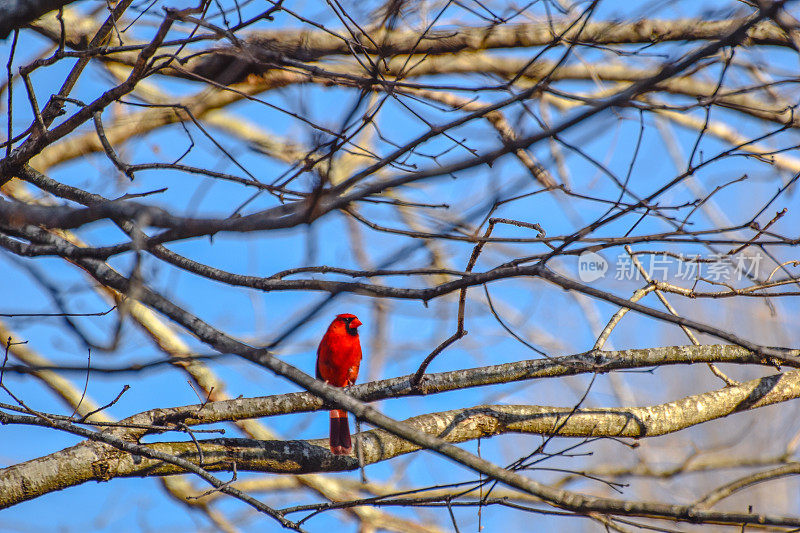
(355, 323)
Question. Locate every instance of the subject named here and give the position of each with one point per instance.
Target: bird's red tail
(340, 433)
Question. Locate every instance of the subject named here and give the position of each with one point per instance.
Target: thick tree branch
(262, 49)
(461, 425)
(401, 387)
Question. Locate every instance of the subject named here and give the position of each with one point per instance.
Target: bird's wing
(316, 367)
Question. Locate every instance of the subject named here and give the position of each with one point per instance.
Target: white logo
(591, 267)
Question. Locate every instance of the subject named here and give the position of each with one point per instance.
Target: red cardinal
(338, 358)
